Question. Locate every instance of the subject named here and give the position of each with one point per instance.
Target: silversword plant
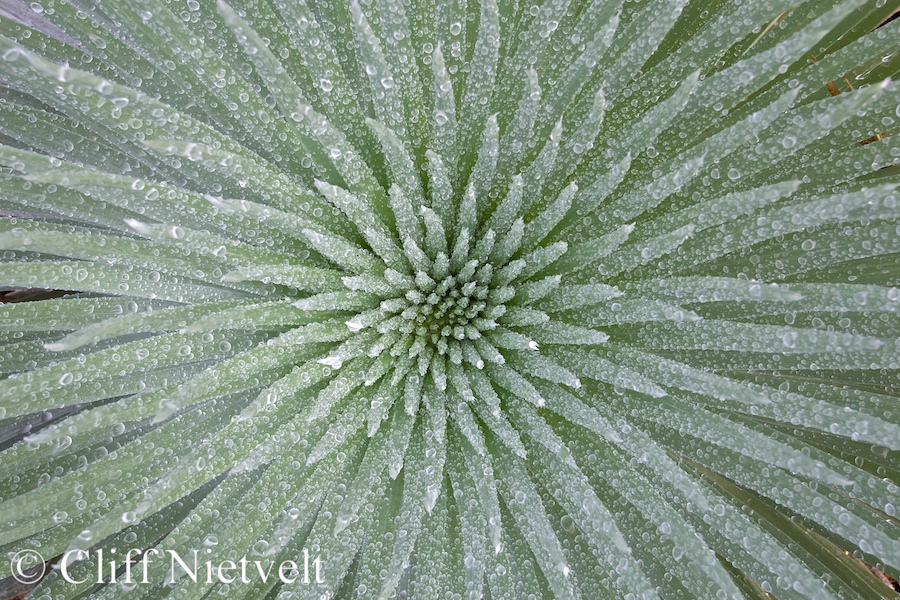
(486, 298)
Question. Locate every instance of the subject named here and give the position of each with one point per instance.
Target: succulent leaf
(563, 298)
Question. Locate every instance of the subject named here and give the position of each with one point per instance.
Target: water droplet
(334, 362)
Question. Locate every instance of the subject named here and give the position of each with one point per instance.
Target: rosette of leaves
(469, 299)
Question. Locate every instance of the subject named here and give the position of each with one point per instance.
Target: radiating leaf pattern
(507, 299)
